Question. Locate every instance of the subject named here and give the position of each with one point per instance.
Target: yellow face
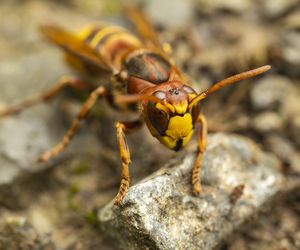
(171, 123)
(179, 132)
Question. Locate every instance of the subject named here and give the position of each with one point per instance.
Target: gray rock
(17, 234)
(267, 121)
(290, 108)
(290, 112)
(290, 36)
(161, 212)
(273, 9)
(295, 129)
(22, 139)
(179, 17)
(270, 91)
(285, 150)
(290, 51)
(230, 5)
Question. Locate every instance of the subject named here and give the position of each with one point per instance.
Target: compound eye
(189, 90)
(159, 119)
(160, 95)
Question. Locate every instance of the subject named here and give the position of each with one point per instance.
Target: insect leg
(46, 96)
(122, 129)
(87, 106)
(202, 140)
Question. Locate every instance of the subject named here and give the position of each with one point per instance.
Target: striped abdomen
(113, 44)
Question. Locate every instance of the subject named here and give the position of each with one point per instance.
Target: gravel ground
(53, 206)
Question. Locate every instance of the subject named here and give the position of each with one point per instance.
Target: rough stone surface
(295, 129)
(270, 92)
(23, 139)
(285, 150)
(17, 234)
(276, 8)
(231, 5)
(290, 43)
(179, 17)
(161, 212)
(267, 121)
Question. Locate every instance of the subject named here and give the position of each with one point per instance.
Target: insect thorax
(148, 66)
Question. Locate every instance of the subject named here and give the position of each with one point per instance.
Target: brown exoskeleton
(141, 72)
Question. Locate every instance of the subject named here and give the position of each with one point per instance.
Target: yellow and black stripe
(113, 44)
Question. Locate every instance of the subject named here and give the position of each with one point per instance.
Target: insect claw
(40, 160)
(43, 158)
(197, 189)
(118, 200)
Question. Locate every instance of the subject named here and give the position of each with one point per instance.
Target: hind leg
(46, 96)
(87, 106)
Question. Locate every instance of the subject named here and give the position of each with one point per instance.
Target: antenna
(228, 81)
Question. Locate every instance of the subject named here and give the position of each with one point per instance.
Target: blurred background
(52, 205)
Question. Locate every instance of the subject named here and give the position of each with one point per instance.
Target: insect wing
(144, 28)
(73, 45)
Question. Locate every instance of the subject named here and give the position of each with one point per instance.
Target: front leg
(202, 140)
(122, 129)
